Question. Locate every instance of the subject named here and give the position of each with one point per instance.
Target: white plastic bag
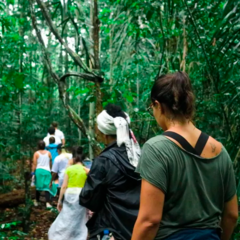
(71, 221)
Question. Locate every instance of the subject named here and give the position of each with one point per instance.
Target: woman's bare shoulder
(36, 154)
(212, 148)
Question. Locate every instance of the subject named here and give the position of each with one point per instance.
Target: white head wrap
(120, 126)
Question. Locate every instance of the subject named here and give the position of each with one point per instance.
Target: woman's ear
(159, 106)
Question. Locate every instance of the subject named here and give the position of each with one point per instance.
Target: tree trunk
(185, 47)
(79, 113)
(96, 62)
(67, 96)
(138, 87)
(50, 95)
(91, 126)
(16, 197)
(96, 67)
(111, 55)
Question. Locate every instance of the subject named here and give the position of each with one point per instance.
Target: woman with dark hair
(71, 222)
(86, 161)
(188, 186)
(112, 189)
(41, 170)
(76, 150)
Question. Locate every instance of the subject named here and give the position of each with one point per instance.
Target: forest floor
(41, 220)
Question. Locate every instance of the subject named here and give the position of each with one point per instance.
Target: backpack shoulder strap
(181, 140)
(201, 143)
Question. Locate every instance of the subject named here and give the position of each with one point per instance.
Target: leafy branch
(54, 30)
(61, 80)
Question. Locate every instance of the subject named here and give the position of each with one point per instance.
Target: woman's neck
(79, 163)
(182, 126)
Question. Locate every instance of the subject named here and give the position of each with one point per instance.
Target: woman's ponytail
(77, 154)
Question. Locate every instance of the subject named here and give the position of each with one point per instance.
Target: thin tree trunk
(185, 47)
(50, 94)
(79, 113)
(111, 55)
(79, 84)
(96, 67)
(66, 69)
(138, 86)
(67, 96)
(91, 126)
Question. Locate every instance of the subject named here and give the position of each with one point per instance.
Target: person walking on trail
(60, 164)
(86, 161)
(41, 170)
(75, 150)
(188, 185)
(71, 221)
(112, 189)
(58, 133)
(51, 132)
(52, 148)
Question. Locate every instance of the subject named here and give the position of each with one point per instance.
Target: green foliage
(5, 176)
(140, 40)
(9, 225)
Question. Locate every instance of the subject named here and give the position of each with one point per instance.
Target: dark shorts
(196, 234)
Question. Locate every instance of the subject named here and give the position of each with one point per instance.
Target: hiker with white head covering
(112, 188)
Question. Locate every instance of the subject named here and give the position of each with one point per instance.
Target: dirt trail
(41, 219)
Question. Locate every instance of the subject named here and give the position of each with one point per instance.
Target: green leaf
(129, 98)
(10, 2)
(18, 80)
(82, 91)
(90, 98)
(2, 6)
(71, 88)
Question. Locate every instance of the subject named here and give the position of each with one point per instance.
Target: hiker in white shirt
(51, 132)
(58, 133)
(60, 164)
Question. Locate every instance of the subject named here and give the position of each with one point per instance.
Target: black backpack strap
(202, 140)
(181, 140)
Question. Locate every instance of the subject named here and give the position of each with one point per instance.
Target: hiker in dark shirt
(112, 188)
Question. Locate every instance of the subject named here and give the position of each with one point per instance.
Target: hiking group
(180, 186)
